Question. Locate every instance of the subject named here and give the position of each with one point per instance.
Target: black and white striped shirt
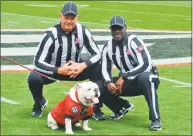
(130, 56)
(58, 47)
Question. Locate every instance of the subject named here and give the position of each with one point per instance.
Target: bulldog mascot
(76, 106)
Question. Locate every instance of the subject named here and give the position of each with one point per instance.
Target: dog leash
(43, 75)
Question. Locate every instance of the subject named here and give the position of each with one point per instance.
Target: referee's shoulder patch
(140, 48)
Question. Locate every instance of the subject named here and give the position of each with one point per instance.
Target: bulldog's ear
(78, 85)
(97, 92)
(89, 82)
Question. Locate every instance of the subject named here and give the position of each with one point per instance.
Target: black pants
(36, 82)
(145, 84)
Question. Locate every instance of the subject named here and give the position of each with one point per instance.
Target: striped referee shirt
(58, 47)
(130, 56)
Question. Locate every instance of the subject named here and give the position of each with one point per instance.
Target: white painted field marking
(149, 44)
(172, 61)
(11, 22)
(106, 30)
(15, 67)
(29, 51)
(26, 51)
(164, 3)
(175, 81)
(41, 5)
(136, 20)
(8, 101)
(165, 20)
(20, 38)
(182, 86)
(18, 51)
(155, 61)
(105, 21)
(66, 92)
(135, 12)
(38, 37)
(46, 22)
(80, 5)
(13, 14)
(187, 18)
(105, 38)
(44, 5)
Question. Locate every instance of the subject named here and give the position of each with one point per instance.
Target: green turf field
(160, 15)
(174, 98)
(175, 108)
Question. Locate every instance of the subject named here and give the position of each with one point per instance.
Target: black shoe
(99, 115)
(156, 125)
(38, 109)
(126, 108)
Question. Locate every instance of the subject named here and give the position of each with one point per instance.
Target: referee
(138, 75)
(58, 56)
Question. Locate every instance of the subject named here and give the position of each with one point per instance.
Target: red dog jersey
(70, 108)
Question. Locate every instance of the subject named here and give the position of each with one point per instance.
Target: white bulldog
(78, 105)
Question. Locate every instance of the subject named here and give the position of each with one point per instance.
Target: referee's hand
(119, 85)
(65, 69)
(112, 89)
(77, 69)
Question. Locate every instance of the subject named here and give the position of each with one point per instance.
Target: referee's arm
(43, 55)
(92, 48)
(143, 58)
(106, 66)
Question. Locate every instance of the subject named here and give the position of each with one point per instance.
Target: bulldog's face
(88, 93)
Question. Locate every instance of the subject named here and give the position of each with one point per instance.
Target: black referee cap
(117, 20)
(70, 8)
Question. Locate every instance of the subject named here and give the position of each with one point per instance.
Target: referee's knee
(34, 78)
(144, 77)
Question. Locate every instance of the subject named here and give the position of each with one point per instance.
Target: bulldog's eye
(89, 88)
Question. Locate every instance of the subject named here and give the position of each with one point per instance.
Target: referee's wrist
(124, 77)
(59, 71)
(107, 82)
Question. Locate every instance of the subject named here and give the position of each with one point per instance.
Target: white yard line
(136, 20)
(15, 67)
(14, 14)
(46, 22)
(104, 30)
(165, 20)
(43, 18)
(26, 51)
(172, 61)
(181, 86)
(175, 81)
(38, 37)
(135, 12)
(156, 3)
(11, 22)
(156, 62)
(38, 17)
(41, 5)
(8, 101)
